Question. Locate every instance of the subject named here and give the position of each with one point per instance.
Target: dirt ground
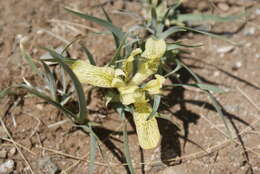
(50, 144)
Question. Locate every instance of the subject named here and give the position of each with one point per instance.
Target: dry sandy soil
(197, 142)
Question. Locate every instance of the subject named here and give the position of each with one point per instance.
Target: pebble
(225, 49)
(237, 65)
(257, 11)
(223, 6)
(249, 31)
(19, 37)
(46, 165)
(257, 55)
(7, 167)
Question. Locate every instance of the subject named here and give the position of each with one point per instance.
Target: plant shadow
(176, 96)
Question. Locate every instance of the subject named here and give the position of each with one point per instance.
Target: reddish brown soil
(197, 139)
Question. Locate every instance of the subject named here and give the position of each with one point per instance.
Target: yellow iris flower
(128, 86)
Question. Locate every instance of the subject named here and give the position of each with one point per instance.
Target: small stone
(19, 37)
(3, 153)
(249, 31)
(237, 65)
(257, 55)
(223, 6)
(40, 32)
(12, 152)
(46, 166)
(225, 49)
(216, 73)
(257, 11)
(7, 167)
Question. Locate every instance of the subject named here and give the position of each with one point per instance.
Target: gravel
(7, 167)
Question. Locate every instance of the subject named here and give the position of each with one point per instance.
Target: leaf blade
(93, 151)
(117, 31)
(79, 90)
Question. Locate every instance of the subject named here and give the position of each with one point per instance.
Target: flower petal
(130, 94)
(154, 86)
(154, 49)
(145, 69)
(147, 130)
(93, 75)
(127, 65)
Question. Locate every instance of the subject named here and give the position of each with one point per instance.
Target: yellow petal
(145, 69)
(128, 94)
(136, 51)
(154, 49)
(117, 82)
(154, 86)
(93, 75)
(119, 72)
(147, 130)
(127, 65)
(143, 73)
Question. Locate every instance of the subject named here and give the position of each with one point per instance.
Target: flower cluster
(133, 88)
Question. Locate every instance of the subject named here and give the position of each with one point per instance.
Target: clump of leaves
(133, 79)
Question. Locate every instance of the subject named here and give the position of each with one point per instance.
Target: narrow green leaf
(188, 69)
(89, 55)
(156, 104)
(154, 18)
(116, 57)
(178, 67)
(126, 150)
(208, 17)
(43, 96)
(120, 110)
(5, 92)
(178, 45)
(188, 46)
(175, 6)
(93, 152)
(209, 87)
(211, 97)
(66, 60)
(117, 31)
(173, 47)
(211, 35)
(79, 90)
(202, 86)
(117, 41)
(69, 44)
(171, 9)
(159, 28)
(64, 81)
(170, 31)
(50, 81)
